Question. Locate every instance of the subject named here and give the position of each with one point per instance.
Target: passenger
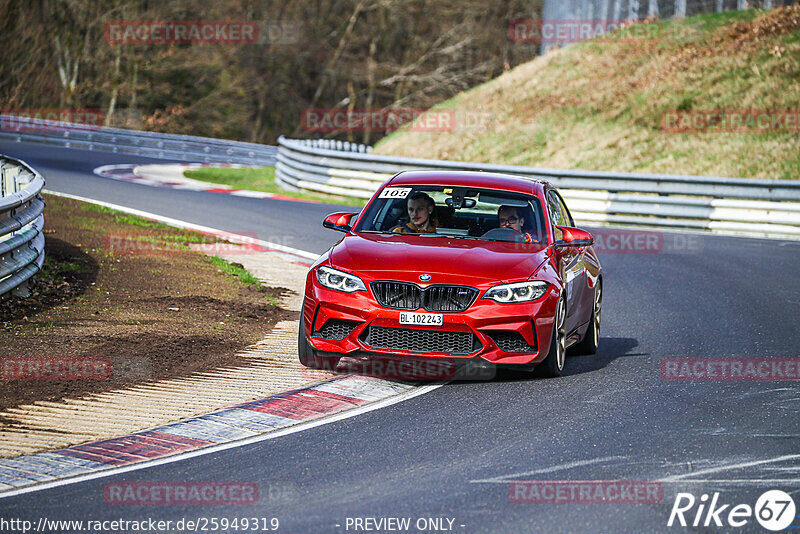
(420, 213)
(509, 217)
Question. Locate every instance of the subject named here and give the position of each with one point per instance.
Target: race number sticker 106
(395, 192)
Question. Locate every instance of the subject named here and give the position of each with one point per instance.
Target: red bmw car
(458, 266)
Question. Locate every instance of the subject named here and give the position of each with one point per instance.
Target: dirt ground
(122, 300)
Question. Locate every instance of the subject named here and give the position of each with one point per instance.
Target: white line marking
(504, 479)
(754, 481)
(191, 226)
(421, 390)
(755, 435)
(730, 467)
(762, 392)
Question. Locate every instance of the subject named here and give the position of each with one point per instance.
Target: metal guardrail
(742, 206)
(21, 224)
(136, 142)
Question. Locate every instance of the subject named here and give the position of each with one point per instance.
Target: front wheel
(553, 364)
(308, 356)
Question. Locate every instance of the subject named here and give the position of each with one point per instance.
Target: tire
(308, 356)
(591, 339)
(553, 364)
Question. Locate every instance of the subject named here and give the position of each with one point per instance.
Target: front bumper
(354, 323)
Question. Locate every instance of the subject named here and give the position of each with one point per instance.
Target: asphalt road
(452, 452)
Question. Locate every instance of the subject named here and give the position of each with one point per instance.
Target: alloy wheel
(561, 340)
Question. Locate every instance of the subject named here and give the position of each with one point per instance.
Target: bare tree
(356, 53)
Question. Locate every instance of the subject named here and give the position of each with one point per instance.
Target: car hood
(406, 257)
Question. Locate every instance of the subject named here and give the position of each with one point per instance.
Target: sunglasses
(510, 220)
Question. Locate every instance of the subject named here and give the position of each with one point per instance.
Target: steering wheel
(504, 234)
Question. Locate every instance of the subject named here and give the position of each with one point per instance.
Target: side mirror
(339, 221)
(574, 237)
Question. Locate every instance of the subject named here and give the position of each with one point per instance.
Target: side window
(565, 212)
(556, 215)
(388, 215)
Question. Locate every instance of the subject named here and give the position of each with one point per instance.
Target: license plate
(434, 319)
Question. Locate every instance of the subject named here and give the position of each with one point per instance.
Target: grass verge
(262, 179)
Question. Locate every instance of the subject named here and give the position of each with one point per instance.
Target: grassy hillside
(600, 105)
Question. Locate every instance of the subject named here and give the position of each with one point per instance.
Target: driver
(420, 213)
(509, 217)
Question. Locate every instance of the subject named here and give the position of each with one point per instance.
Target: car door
(570, 261)
(584, 299)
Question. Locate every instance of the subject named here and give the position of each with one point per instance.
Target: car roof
(489, 180)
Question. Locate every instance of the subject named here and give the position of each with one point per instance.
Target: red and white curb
(171, 176)
(293, 411)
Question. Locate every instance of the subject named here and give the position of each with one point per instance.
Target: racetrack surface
(451, 453)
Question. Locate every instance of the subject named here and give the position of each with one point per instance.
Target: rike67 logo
(774, 510)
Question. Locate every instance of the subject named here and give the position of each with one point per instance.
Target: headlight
(333, 279)
(519, 292)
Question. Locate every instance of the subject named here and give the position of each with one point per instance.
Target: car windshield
(457, 212)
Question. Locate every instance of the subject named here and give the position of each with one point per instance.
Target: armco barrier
(135, 142)
(21, 224)
(741, 206)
